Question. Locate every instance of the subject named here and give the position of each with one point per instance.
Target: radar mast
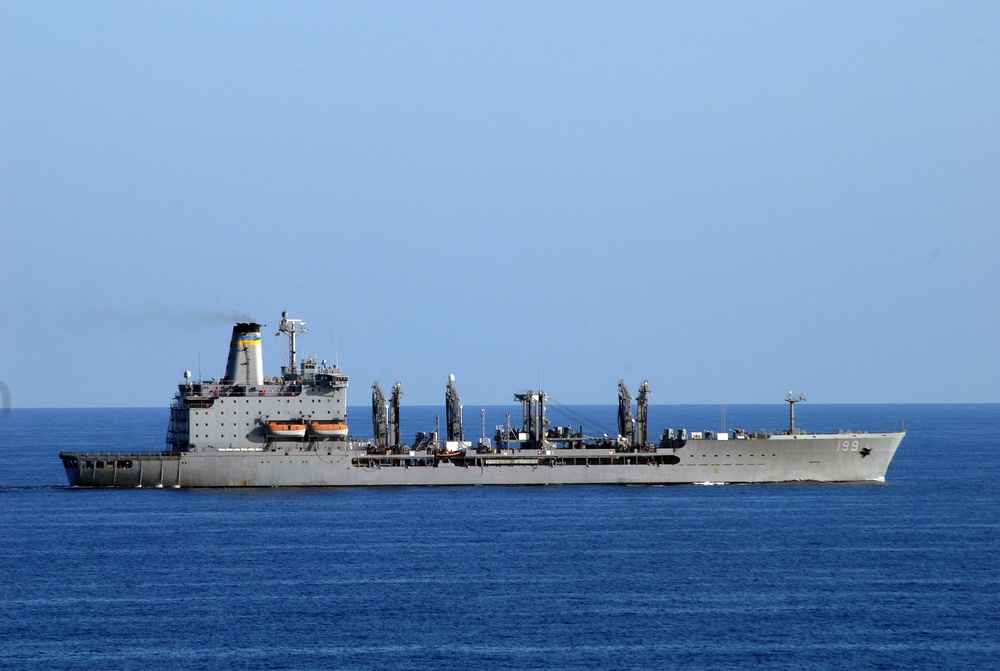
(291, 328)
(791, 400)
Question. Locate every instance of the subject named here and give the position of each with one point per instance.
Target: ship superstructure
(246, 411)
(292, 430)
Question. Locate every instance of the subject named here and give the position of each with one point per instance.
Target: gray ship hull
(846, 457)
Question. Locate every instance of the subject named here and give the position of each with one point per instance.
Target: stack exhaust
(246, 364)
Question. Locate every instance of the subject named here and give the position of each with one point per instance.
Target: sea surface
(903, 574)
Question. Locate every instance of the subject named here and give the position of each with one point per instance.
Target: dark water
(900, 575)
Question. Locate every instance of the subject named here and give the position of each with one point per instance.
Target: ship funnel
(246, 364)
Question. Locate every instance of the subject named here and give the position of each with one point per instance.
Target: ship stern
(71, 464)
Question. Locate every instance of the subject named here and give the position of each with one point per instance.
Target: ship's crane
(453, 412)
(642, 418)
(397, 393)
(535, 423)
(380, 422)
(626, 423)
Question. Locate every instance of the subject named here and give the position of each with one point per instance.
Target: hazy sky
(730, 199)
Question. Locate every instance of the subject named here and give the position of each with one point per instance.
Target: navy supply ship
(248, 430)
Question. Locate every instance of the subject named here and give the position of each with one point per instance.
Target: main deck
(804, 457)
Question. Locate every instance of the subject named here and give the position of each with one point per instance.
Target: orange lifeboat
(448, 455)
(286, 430)
(328, 430)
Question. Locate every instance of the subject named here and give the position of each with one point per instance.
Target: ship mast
(291, 328)
(791, 400)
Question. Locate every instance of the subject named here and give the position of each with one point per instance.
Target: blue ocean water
(897, 575)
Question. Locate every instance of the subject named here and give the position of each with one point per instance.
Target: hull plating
(821, 458)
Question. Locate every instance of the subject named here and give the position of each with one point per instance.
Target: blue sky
(729, 199)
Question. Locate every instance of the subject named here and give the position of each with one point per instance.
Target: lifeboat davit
(328, 430)
(286, 430)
